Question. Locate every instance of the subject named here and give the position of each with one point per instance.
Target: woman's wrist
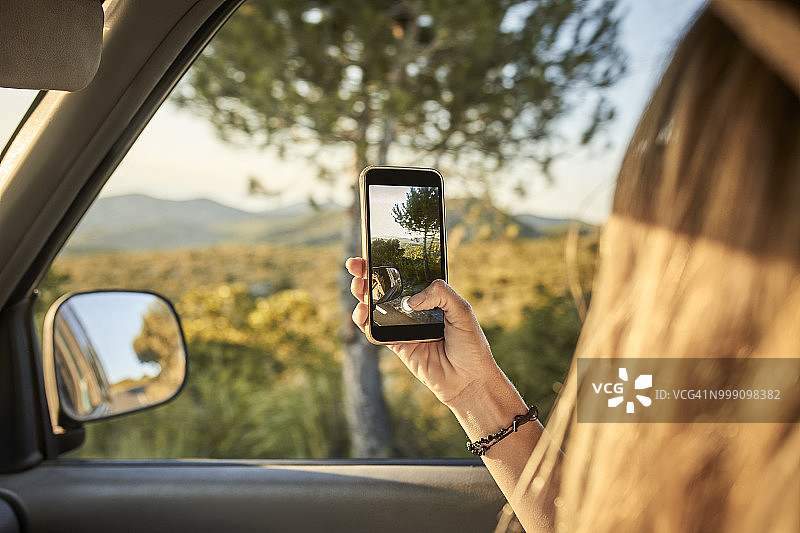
(486, 405)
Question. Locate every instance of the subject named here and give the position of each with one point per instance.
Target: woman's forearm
(483, 409)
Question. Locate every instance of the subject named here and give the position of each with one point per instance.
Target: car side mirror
(109, 353)
(386, 284)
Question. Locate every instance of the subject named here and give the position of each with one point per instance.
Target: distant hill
(139, 222)
(300, 224)
(135, 221)
(473, 219)
(554, 226)
(470, 219)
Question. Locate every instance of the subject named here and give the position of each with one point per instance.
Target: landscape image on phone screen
(405, 251)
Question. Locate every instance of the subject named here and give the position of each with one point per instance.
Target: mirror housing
(109, 353)
(50, 44)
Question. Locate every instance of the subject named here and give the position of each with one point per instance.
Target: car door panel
(90, 496)
(9, 520)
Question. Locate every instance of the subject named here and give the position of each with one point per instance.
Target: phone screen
(405, 231)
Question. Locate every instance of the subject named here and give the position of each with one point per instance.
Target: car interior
(103, 71)
(179, 336)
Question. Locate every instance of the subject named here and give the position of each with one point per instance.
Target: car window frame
(27, 407)
(21, 124)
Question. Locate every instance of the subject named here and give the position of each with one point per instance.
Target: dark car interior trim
(24, 443)
(223, 497)
(10, 516)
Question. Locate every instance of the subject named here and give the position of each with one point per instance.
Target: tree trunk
(365, 407)
(425, 256)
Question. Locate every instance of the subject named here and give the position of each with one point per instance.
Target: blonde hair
(700, 258)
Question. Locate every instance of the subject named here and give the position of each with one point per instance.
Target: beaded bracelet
(481, 446)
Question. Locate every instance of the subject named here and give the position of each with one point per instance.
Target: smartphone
(403, 236)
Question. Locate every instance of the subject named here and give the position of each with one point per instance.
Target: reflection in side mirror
(386, 284)
(110, 353)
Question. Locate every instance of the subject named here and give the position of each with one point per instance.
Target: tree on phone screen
(420, 214)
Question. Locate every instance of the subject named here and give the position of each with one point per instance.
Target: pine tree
(472, 84)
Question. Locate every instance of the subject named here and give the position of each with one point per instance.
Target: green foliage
(157, 341)
(415, 272)
(474, 80)
(262, 383)
(265, 361)
(53, 286)
(420, 212)
(408, 260)
(536, 355)
(421, 425)
(387, 252)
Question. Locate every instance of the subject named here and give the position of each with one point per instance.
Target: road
(391, 314)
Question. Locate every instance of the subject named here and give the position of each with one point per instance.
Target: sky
(382, 199)
(112, 322)
(178, 156)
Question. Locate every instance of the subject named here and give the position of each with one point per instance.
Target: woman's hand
(461, 364)
(462, 373)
